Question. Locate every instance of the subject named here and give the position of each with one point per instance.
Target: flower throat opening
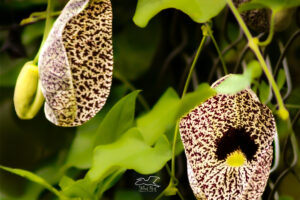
(236, 146)
(236, 159)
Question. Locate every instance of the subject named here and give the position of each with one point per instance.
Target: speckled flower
(228, 145)
(76, 62)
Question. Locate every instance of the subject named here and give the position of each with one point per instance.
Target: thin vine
(48, 25)
(171, 188)
(253, 44)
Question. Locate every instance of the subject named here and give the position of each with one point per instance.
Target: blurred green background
(152, 59)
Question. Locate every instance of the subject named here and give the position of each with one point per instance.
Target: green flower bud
(28, 97)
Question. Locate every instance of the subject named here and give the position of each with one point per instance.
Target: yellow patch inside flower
(235, 159)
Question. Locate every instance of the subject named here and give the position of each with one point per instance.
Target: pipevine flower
(76, 62)
(228, 145)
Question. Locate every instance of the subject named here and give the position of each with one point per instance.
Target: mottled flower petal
(213, 131)
(76, 62)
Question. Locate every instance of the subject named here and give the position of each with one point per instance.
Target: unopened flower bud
(28, 98)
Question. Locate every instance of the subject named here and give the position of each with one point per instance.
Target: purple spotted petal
(76, 62)
(216, 128)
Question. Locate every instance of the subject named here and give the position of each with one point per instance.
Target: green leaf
(193, 99)
(114, 123)
(178, 146)
(118, 120)
(233, 84)
(254, 68)
(110, 181)
(32, 177)
(275, 5)
(199, 10)
(161, 117)
(237, 82)
(81, 150)
(128, 195)
(65, 182)
(130, 152)
(52, 173)
(82, 188)
(264, 90)
(249, 6)
(280, 79)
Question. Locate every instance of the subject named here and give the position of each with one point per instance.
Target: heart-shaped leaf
(130, 152)
(199, 10)
(96, 131)
(275, 5)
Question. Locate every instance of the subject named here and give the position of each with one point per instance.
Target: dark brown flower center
(236, 139)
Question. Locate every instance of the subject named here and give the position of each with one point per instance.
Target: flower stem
(48, 25)
(187, 82)
(253, 44)
(173, 181)
(174, 149)
(271, 31)
(38, 16)
(217, 48)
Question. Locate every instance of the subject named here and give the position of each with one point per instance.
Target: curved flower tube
(228, 145)
(76, 62)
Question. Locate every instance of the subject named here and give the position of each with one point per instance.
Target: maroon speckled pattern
(76, 62)
(203, 126)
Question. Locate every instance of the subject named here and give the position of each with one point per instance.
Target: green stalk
(271, 31)
(173, 150)
(39, 97)
(187, 82)
(37, 16)
(218, 49)
(171, 189)
(48, 25)
(253, 44)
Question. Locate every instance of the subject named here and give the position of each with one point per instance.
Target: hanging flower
(76, 62)
(228, 145)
